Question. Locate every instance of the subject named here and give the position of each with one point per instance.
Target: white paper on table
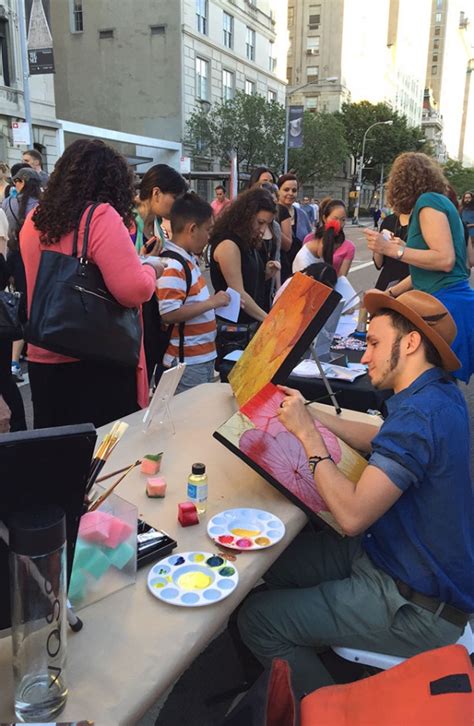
(346, 325)
(232, 310)
(348, 294)
(309, 368)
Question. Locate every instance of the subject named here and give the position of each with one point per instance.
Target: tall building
(140, 71)
(45, 131)
(373, 50)
(449, 75)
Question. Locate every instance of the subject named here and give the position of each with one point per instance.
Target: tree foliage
(460, 177)
(248, 124)
(383, 143)
(324, 150)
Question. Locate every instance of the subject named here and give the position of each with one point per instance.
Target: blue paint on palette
(176, 560)
(190, 598)
(215, 561)
(226, 584)
(169, 593)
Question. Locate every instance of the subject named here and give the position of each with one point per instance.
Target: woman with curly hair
(435, 249)
(66, 390)
(235, 259)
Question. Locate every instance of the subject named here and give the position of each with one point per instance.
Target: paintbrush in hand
(100, 500)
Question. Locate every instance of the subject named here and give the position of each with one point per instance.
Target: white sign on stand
(21, 133)
(185, 165)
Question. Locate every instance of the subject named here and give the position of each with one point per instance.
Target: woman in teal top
(435, 249)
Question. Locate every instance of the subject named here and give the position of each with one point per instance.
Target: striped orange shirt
(199, 332)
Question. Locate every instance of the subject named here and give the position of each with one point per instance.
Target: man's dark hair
(404, 326)
(219, 187)
(35, 155)
(189, 208)
(167, 179)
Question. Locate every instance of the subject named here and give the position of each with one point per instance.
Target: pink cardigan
(112, 250)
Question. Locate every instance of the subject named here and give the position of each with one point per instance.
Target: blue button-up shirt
(426, 538)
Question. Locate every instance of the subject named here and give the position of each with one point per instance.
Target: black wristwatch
(313, 461)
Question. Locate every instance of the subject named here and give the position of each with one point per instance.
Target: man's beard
(393, 363)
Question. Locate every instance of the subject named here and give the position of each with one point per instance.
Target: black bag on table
(233, 336)
(73, 313)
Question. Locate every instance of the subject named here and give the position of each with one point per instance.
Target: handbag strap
(85, 239)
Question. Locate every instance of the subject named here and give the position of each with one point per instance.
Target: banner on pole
(21, 133)
(295, 127)
(39, 38)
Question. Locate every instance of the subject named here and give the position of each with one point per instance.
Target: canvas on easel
(257, 436)
(164, 392)
(286, 333)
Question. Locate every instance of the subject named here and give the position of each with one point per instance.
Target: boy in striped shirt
(191, 222)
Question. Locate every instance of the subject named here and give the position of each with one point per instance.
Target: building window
(312, 45)
(271, 57)
(437, 30)
(312, 74)
(435, 58)
(77, 16)
(439, 4)
(228, 28)
(4, 53)
(158, 29)
(435, 43)
(438, 18)
(106, 34)
(314, 16)
(271, 96)
(250, 44)
(227, 85)
(202, 75)
(249, 87)
(434, 70)
(291, 17)
(289, 75)
(312, 104)
(201, 16)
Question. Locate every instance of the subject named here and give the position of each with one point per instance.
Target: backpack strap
(187, 273)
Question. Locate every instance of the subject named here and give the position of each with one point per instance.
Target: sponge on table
(103, 528)
(151, 463)
(156, 487)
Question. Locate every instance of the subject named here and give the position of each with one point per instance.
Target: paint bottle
(197, 487)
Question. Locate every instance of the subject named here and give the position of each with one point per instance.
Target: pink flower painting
(283, 457)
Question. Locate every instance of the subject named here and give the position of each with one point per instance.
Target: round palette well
(192, 579)
(245, 529)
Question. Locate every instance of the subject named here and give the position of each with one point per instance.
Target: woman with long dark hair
(27, 184)
(159, 188)
(328, 242)
(66, 390)
(235, 243)
(300, 224)
(435, 248)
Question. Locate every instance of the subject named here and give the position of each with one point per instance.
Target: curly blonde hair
(413, 174)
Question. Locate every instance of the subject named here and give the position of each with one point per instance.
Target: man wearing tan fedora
(402, 581)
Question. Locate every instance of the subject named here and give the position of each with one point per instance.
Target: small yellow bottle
(197, 487)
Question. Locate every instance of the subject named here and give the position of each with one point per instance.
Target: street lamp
(361, 167)
(331, 79)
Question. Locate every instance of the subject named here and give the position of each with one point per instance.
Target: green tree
(383, 143)
(324, 150)
(460, 177)
(248, 124)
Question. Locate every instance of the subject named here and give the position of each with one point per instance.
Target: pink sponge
(103, 528)
(156, 487)
(151, 464)
(187, 514)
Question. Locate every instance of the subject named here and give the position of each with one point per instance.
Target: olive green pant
(325, 591)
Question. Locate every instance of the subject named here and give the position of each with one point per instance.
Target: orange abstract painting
(293, 322)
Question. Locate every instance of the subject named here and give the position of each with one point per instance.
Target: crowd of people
(402, 581)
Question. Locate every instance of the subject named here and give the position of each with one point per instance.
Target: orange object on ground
(431, 689)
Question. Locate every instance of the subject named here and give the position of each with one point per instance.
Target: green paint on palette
(214, 561)
(226, 571)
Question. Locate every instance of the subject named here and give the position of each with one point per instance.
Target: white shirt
(304, 259)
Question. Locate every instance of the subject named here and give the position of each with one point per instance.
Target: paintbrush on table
(101, 499)
(104, 451)
(112, 473)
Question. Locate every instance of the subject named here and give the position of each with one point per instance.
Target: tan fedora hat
(427, 313)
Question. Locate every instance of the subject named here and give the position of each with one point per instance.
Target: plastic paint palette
(246, 529)
(192, 579)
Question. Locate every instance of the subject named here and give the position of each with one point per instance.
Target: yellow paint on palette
(198, 557)
(237, 532)
(262, 541)
(194, 581)
(278, 336)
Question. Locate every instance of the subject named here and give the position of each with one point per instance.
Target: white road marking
(361, 267)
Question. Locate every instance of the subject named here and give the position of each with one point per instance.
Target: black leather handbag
(73, 313)
(10, 324)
